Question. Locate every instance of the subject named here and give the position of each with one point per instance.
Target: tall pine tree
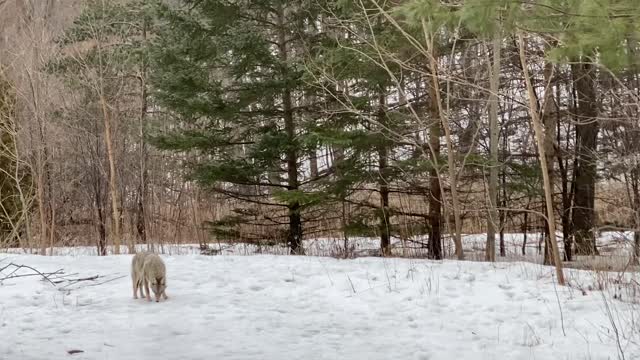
(232, 72)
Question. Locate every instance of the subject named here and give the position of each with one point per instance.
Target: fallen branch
(106, 281)
(73, 281)
(17, 267)
(54, 278)
(91, 278)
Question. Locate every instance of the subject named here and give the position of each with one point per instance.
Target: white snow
(286, 307)
(610, 243)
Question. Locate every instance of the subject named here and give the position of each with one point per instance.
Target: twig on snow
(106, 281)
(12, 274)
(91, 278)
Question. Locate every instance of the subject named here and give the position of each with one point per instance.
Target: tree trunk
(636, 242)
(98, 195)
(566, 202)
(540, 141)
(587, 128)
(549, 124)
(547, 256)
(294, 235)
(494, 134)
(435, 193)
(102, 232)
(113, 188)
(451, 158)
(633, 146)
(142, 185)
(635, 203)
(385, 230)
(52, 230)
(525, 228)
(503, 203)
(345, 236)
(41, 205)
(636, 230)
(313, 163)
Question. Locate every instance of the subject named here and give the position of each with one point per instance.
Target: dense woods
(270, 121)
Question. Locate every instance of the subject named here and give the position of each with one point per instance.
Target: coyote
(154, 273)
(136, 273)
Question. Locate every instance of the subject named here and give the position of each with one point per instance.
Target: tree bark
(503, 198)
(494, 134)
(537, 126)
(525, 228)
(142, 185)
(451, 159)
(435, 193)
(635, 186)
(102, 232)
(98, 186)
(294, 235)
(383, 159)
(565, 215)
(113, 188)
(549, 124)
(587, 128)
(313, 164)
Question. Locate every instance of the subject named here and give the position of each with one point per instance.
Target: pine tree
(232, 72)
(377, 132)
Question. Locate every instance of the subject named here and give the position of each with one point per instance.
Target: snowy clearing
(285, 307)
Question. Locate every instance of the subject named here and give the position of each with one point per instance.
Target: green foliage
(216, 61)
(226, 71)
(525, 179)
(588, 27)
(582, 27)
(228, 228)
(361, 225)
(304, 198)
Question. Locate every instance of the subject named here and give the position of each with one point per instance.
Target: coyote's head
(158, 285)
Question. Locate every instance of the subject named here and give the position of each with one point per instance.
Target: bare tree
(540, 141)
(494, 134)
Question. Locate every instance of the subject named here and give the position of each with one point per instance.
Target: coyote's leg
(146, 289)
(135, 287)
(141, 289)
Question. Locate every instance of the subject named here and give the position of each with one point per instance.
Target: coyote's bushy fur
(154, 273)
(136, 273)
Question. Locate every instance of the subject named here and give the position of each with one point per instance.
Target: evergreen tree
(232, 72)
(367, 68)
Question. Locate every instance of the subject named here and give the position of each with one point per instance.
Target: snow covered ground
(613, 243)
(286, 307)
